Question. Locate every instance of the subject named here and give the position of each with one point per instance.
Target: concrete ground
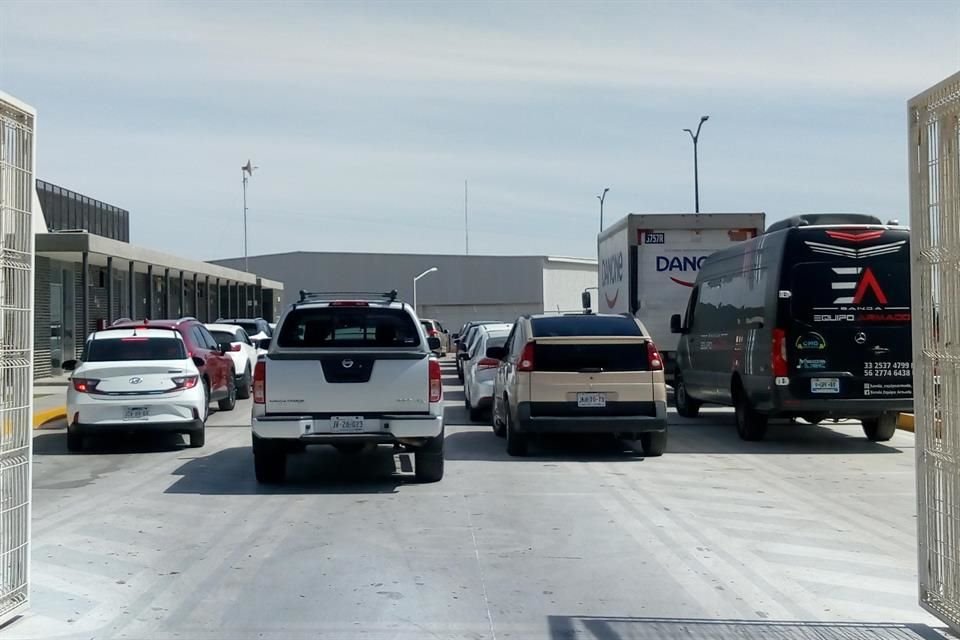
(810, 534)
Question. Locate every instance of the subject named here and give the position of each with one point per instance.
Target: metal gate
(934, 150)
(16, 344)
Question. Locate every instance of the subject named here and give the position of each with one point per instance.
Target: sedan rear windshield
(134, 348)
(346, 327)
(224, 336)
(584, 325)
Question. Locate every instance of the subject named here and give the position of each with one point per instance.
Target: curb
(41, 418)
(905, 422)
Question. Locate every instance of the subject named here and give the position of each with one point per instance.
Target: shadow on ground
(54, 443)
(318, 470)
(613, 628)
(480, 443)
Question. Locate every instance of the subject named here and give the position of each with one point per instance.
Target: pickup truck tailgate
(331, 383)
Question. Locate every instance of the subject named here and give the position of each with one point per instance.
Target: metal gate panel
(17, 196)
(934, 160)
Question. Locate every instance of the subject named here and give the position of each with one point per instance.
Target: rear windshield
(134, 348)
(250, 327)
(224, 336)
(336, 327)
(876, 293)
(591, 357)
(584, 325)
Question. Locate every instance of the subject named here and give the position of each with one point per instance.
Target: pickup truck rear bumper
(381, 428)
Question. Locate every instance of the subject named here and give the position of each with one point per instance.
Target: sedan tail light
(260, 383)
(235, 346)
(436, 388)
(488, 363)
(185, 382)
(85, 385)
(653, 357)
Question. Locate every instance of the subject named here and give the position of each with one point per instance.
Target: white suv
(133, 380)
(350, 370)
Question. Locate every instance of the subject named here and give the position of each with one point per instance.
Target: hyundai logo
(135, 380)
(347, 363)
(860, 338)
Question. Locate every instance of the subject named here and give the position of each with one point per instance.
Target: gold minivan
(580, 373)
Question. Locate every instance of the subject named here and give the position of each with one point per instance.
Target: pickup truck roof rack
(323, 296)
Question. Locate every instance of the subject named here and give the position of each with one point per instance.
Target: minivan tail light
(778, 353)
(260, 383)
(488, 363)
(526, 358)
(654, 361)
(436, 388)
(85, 385)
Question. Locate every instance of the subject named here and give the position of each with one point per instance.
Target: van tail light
(654, 361)
(185, 382)
(488, 363)
(260, 383)
(778, 354)
(85, 385)
(526, 358)
(436, 388)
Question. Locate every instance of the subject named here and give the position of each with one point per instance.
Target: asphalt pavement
(809, 534)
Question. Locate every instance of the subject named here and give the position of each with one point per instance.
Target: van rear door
(849, 333)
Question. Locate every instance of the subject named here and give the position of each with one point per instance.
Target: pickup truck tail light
(526, 358)
(488, 363)
(85, 385)
(436, 389)
(260, 383)
(653, 357)
(778, 354)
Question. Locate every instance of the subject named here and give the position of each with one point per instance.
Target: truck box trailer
(649, 262)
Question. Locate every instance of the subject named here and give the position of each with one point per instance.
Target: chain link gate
(934, 150)
(16, 350)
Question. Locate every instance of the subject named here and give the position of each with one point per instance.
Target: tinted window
(591, 357)
(249, 327)
(583, 325)
(348, 327)
(224, 336)
(134, 348)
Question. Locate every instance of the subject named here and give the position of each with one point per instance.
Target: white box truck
(649, 262)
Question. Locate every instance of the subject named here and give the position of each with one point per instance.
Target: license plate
(591, 399)
(346, 424)
(136, 413)
(824, 385)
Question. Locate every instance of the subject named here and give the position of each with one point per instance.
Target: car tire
(269, 461)
(197, 438)
(751, 425)
(243, 392)
(228, 403)
(476, 414)
(428, 460)
(206, 400)
(880, 429)
(459, 368)
(516, 442)
(687, 407)
(654, 443)
(74, 440)
(496, 423)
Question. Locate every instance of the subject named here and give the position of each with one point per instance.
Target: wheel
(349, 447)
(269, 461)
(516, 442)
(228, 403)
(428, 460)
(197, 438)
(459, 368)
(750, 424)
(880, 429)
(496, 423)
(206, 400)
(74, 440)
(687, 407)
(243, 392)
(654, 443)
(476, 415)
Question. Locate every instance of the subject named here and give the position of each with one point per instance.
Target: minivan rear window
(134, 348)
(336, 327)
(584, 325)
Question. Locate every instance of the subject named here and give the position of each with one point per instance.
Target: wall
(452, 317)
(563, 284)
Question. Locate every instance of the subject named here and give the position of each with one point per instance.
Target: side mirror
(433, 342)
(497, 353)
(676, 324)
(197, 360)
(225, 347)
(585, 301)
(68, 365)
(455, 337)
(463, 355)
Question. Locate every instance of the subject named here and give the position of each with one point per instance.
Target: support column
(196, 301)
(219, 302)
(181, 310)
(229, 308)
(166, 292)
(132, 289)
(84, 298)
(109, 290)
(148, 310)
(206, 292)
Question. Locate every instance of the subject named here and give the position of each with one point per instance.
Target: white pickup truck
(349, 370)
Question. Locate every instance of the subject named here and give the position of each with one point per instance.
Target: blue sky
(365, 118)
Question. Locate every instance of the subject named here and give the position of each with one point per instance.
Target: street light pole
(428, 271)
(247, 171)
(601, 198)
(696, 175)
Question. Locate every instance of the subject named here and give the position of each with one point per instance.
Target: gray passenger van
(810, 319)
